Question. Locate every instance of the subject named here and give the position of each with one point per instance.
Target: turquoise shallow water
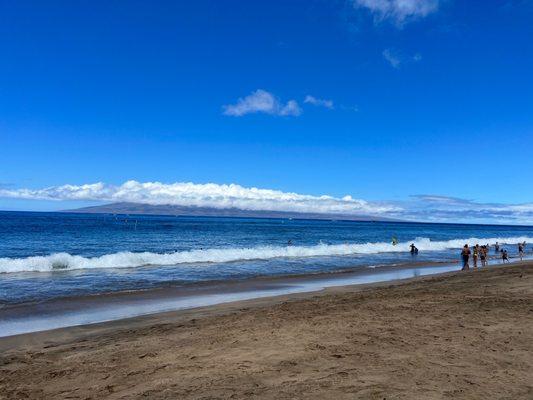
(50, 255)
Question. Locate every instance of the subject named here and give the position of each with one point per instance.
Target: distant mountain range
(137, 208)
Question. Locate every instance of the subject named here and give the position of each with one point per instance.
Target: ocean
(47, 256)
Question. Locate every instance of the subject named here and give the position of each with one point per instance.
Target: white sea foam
(65, 261)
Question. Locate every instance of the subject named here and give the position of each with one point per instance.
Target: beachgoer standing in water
(496, 248)
(520, 250)
(476, 254)
(413, 248)
(465, 255)
(483, 256)
(505, 257)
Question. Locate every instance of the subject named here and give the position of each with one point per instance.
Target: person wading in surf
(505, 257)
(483, 256)
(465, 254)
(476, 255)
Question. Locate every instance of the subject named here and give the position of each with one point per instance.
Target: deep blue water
(46, 255)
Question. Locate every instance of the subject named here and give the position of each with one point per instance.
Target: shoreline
(76, 332)
(261, 290)
(27, 318)
(231, 282)
(454, 335)
(85, 310)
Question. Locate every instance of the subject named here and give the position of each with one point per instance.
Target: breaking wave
(65, 261)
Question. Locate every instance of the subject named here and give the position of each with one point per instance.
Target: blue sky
(404, 98)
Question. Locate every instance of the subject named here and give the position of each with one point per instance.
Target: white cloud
(203, 195)
(291, 108)
(318, 102)
(398, 11)
(262, 101)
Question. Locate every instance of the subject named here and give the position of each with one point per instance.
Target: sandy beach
(457, 335)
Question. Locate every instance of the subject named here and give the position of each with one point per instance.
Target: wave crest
(66, 261)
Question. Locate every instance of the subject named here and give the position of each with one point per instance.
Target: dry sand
(462, 336)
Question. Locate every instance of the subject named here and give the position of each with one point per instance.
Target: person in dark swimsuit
(520, 251)
(505, 257)
(465, 255)
(483, 255)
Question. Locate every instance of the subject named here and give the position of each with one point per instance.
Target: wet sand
(458, 335)
(82, 310)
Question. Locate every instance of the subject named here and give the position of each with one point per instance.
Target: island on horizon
(191, 211)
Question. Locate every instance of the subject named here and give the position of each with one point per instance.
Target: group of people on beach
(481, 253)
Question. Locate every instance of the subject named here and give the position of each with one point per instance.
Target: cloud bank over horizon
(203, 195)
(428, 208)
